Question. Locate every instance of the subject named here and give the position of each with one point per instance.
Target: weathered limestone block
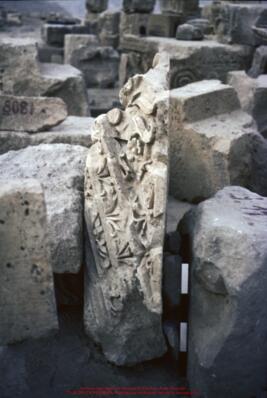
(259, 65)
(213, 143)
(252, 94)
(99, 64)
(125, 205)
(182, 7)
(50, 54)
(23, 75)
(163, 25)
(96, 6)
(54, 34)
(74, 131)
(108, 28)
(60, 170)
(134, 24)
(192, 61)
(188, 32)
(235, 23)
(228, 304)
(27, 301)
(140, 6)
(133, 63)
(30, 114)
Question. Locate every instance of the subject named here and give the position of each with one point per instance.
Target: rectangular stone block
(27, 302)
(31, 114)
(54, 34)
(163, 25)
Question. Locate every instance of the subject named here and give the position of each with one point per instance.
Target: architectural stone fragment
(181, 7)
(189, 32)
(228, 302)
(259, 65)
(125, 205)
(27, 301)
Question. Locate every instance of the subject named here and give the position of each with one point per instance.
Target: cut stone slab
(60, 170)
(99, 64)
(138, 6)
(252, 94)
(125, 209)
(30, 114)
(188, 32)
(74, 131)
(228, 302)
(192, 60)
(235, 23)
(259, 65)
(53, 34)
(27, 301)
(108, 28)
(213, 143)
(23, 75)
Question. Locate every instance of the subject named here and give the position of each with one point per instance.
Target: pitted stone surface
(60, 170)
(213, 143)
(27, 301)
(228, 303)
(125, 211)
(30, 114)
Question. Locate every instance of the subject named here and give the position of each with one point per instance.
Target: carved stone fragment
(125, 202)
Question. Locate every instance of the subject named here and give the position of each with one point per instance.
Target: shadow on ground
(48, 367)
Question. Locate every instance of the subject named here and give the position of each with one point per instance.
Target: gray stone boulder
(259, 65)
(60, 170)
(189, 32)
(30, 114)
(27, 301)
(228, 304)
(213, 143)
(252, 94)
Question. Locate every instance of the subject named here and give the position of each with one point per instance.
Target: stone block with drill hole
(31, 114)
(27, 300)
(213, 143)
(252, 94)
(227, 346)
(125, 209)
(60, 170)
(98, 64)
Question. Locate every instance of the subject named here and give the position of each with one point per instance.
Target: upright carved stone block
(125, 206)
